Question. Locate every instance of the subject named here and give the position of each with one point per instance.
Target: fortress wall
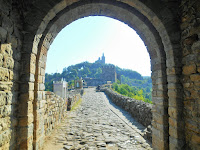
(74, 96)
(190, 78)
(140, 110)
(10, 55)
(55, 108)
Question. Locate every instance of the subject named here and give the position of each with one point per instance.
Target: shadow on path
(124, 116)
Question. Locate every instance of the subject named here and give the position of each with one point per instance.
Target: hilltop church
(108, 74)
(101, 60)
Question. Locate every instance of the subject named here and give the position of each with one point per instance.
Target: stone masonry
(169, 29)
(140, 110)
(55, 110)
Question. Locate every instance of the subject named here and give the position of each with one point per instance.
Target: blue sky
(87, 38)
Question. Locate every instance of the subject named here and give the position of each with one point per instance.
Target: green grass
(76, 105)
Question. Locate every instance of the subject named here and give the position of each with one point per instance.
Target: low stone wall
(55, 109)
(140, 110)
(73, 97)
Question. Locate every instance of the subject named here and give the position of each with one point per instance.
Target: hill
(93, 70)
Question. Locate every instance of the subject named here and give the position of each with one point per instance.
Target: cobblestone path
(96, 125)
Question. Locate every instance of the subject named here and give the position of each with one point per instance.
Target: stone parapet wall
(55, 109)
(74, 96)
(140, 110)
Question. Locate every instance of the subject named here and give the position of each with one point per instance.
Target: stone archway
(160, 34)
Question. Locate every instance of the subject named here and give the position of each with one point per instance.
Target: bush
(131, 91)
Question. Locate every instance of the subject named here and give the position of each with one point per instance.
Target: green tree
(131, 91)
(98, 73)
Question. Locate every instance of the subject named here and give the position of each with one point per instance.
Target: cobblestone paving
(94, 126)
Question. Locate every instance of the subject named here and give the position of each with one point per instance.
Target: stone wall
(140, 110)
(74, 96)
(55, 108)
(109, 73)
(10, 55)
(190, 26)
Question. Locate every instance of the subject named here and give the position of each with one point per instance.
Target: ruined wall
(10, 54)
(55, 109)
(190, 26)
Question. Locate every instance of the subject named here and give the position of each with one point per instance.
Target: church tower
(103, 59)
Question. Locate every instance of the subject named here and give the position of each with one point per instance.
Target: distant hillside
(93, 70)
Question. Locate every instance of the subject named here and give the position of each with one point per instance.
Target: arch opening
(157, 44)
(145, 30)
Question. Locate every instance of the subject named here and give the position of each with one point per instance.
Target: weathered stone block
(4, 74)
(198, 69)
(42, 103)
(11, 75)
(4, 123)
(9, 98)
(174, 112)
(42, 71)
(27, 130)
(6, 49)
(195, 77)
(159, 101)
(6, 86)
(1, 60)
(189, 69)
(195, 94)
(2, 98)
(173, 132)
(25, 109)
(32, 68)
(26, 120)
(27, 87)
(155, 138)
(175, 143)
(196, 46)
(41, 87)
(5, 110)
(158, 118)
(175, 93)
(39, 95)
(5, 137)
(29, 96)
(195, 138)
(186, 85)
(173, 79)
(40, 79)
(192, 125)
